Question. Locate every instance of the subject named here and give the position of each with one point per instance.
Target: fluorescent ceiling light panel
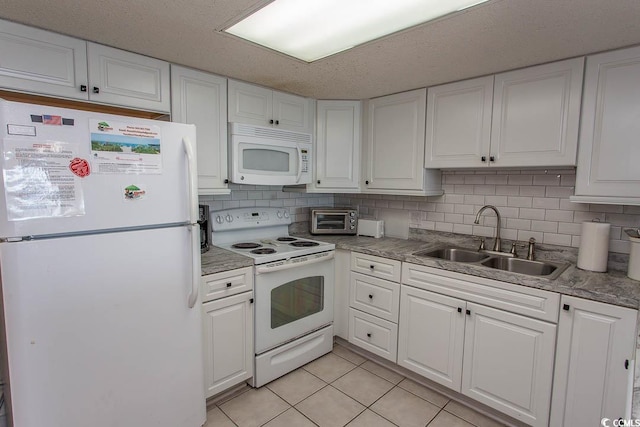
(313, 29)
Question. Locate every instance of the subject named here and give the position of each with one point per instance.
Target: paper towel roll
(594, 246)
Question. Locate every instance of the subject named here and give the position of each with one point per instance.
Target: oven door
(292, 298)
(264, 162)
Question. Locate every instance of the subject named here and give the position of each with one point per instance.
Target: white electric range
(294, 281)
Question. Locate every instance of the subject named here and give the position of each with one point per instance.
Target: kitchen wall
(532, 203)
(268, 196)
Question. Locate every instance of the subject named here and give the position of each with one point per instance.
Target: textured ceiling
(496, 36)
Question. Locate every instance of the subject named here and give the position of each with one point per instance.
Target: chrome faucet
(496, 243)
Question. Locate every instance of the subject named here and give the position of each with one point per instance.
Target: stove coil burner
(263, 251)
(286, 239)
(248, 245)
(304, 244)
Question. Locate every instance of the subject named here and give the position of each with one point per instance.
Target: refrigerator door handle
(194, 228)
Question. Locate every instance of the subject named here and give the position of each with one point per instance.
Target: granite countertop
(612, 287)
(217, 259)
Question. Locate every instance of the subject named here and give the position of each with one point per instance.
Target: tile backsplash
(532, 203)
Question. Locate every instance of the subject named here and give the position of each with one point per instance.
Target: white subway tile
(289, 202)
(479, 230)
(428, 225)
(410, 205)
(497, 179)
(463, 209)
(474, 179)
(254, 195)
(498, 201)
(580, 216)
(525, 235)
(509, 234)
(550, 179)
(563, 192)
(606, 208)
(454, 198)
(301, 202)
(454, 218)
(507, 190)
(444, 226)
(469, 219)
(453, 179)
(462, 229)
(519, 224)
(572, 228)
(546, 203)
(527, 213)
(568, 180)
(510, 212)
(474, 199)
(485, 171)
(463, 189)
(544, 226)
(417, 216)
(247, 203)
(445, 207)
(575, 241)
(519, 202)
(557, 239)
(619, 246)
(559, 215)
(615, 233)
(435, 216)
(632, 210)
(623, 220)
(382, 203)
(427, 206)
(239, 195)
(533, 190)
(396, 204)
(484, 189)
(448, 188)
(230, 204)
(568, 205)
(520, 179)
(271, 195)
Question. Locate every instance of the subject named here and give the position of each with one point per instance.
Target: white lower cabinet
(228, 331)
(501, 359)
(593, 376)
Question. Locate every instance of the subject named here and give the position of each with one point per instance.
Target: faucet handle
(531, 251)
(513, 250)
(482, 247)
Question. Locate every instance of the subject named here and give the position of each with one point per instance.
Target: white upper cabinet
(459, 124)
(536, 114)
(265, 107)
(42, 62)
(201, 99)
(124, 78)
(608, 170)
(394, 146)
(337, 146)
(51, 64)
(521, 118)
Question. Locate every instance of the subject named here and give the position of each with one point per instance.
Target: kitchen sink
(546, 269)
(454, 254)
(523, 266)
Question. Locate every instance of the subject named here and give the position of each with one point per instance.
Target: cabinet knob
(483, 158)
(83, 88)
(271, 121)
(277, 122)
(566, 307)
(368, 334)
(370, 296)
(226, 181)
(468, 312)
(229, 285)
(318, 181)
(251, 301)
(96, 89)
(372, 266)
(459, 309)
(366, 182)
(492, 159)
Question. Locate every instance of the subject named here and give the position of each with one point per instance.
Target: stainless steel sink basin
(454, 254)
(523, 266)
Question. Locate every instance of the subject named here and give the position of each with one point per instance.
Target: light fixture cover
(314, 29)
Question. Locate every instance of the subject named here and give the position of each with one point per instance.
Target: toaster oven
(333, 221)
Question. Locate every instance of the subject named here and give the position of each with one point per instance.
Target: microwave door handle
(299, 163)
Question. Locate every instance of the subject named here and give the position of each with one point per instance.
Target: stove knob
(352, 214)
(286, 214)
(219, 219)
(229, 218)
(279, 214)
(352, 227)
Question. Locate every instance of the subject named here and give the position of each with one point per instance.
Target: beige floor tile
(383, 372)
(426, 393)
(330, 407)
(370, 419)
(345, 353)
(254, 407)
(216, 418)
(405, 409)
(296, 386)
(329, 367)
(445, 419)
(469, 415)
(363, 386)
(290, 418)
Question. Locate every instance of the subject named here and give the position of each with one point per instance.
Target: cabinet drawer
(226, 283)
(543, 305)
(375, 296)
(376, 266)
(376, 335)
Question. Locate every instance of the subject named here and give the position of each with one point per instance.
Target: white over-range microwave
(267, 156)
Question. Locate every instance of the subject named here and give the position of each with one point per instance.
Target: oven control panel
(231, 219)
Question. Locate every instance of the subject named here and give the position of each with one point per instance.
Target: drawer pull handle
(370, 296)
(368, 334)
(228, 284)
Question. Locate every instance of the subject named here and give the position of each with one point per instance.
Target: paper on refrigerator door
(42, 179)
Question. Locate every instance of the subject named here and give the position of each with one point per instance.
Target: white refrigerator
(99, 268)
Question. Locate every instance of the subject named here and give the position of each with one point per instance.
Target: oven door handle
(262, 269)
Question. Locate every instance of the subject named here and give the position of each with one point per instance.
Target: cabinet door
(607, 161)
(395, 141)
(201, 99)
(459, 124)
(431, 335)
(228, 342)
(338, 145)
(41, 62)
(594, 374)
(250, 104)
(508, 363)
(292, 112)
(536, 113)
(128, 79)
